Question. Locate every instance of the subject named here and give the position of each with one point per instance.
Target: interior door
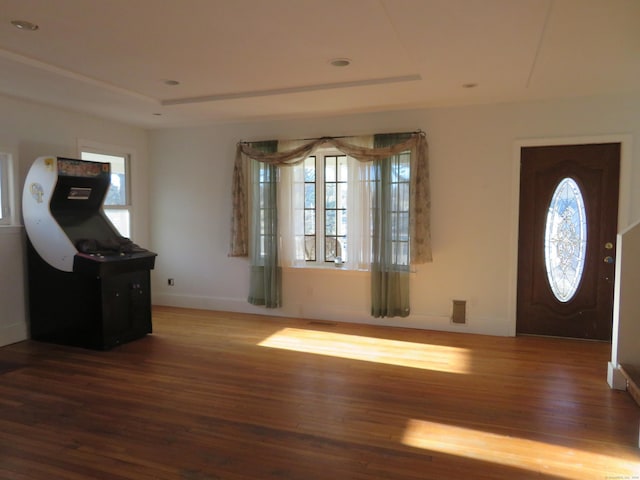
(567, 236)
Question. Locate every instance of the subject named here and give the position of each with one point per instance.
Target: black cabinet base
(93, 312)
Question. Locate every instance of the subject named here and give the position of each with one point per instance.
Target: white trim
(10, 229)
(14, 333)
(50, 68)
(282, 91)
(624, 197)
(320, 311)
(107, 148)
(615, 378)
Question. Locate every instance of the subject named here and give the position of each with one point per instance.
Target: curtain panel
(420, 205)
(265, 285)
(391, 204)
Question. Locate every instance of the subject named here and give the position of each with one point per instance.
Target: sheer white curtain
(291, 203)
(359, 209)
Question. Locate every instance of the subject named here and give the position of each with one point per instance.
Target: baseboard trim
(615, 378)
(14, 333)
(324, 311)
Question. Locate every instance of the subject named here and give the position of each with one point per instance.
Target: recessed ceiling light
(171, 83)
(24, 25)
(469, 85)
(340, 62)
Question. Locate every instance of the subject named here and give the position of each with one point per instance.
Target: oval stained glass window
(565, 239)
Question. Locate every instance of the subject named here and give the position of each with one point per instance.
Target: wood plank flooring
(214, 395)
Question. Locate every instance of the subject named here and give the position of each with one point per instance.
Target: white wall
(626, 325)
(30, 130)
(474, 184)
(13, 325)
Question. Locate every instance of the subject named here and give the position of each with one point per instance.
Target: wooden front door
(567, 236)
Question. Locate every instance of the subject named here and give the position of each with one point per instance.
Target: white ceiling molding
(251, 59)
(289, 90)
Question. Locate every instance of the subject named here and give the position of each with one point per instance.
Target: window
(325, 208)
(266, 191)
(117, 204)
(565, 239)
(310, 233)
(366, 217)
(335, 208)
(332, 210)
(398, 208)
(5, 189)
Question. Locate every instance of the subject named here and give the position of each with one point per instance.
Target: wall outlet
(171, 282)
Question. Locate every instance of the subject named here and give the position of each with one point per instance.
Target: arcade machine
(88, 286)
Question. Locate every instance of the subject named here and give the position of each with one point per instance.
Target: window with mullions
(335, 207)
(336, 202)
(401, 169)
(309, 210)
(266, 180)
(398, 211)
(325, 208)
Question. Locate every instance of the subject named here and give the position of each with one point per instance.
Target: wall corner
(615, 378)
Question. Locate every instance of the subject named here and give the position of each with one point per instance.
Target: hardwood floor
(215, 395)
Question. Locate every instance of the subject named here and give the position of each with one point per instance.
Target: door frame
(624, 198)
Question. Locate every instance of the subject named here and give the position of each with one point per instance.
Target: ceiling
(244, 60)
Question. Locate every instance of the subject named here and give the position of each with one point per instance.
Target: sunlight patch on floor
(369, 349)
(535, 456)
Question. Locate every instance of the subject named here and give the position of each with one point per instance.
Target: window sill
(318, 268)
(10, 229)
(329, 269)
